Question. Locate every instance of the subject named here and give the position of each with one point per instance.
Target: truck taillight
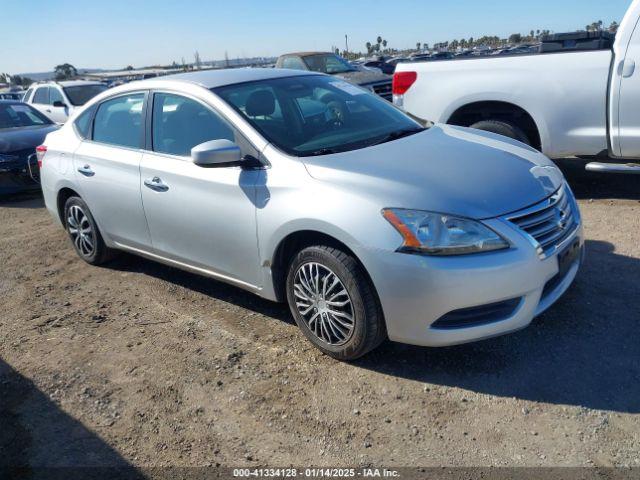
(40, 151)
(402, 81)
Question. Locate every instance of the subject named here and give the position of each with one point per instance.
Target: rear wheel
(84, 234)
(503, 127)
(334, 303)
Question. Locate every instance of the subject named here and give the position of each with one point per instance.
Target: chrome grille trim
(383, 89)
(549, 223)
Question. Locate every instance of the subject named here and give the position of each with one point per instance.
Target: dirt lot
(140, 364)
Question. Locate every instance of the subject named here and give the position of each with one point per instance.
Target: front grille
(550, 222)
(477, 316)
(383, 89)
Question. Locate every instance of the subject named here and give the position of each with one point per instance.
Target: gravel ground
(141, 364)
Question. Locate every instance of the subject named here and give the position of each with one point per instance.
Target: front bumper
(416, 291)
(15, 177)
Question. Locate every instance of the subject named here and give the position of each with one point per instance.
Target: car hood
(364, 77)
(14, 139)
(444, 169)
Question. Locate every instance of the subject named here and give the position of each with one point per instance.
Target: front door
(203, 217)
(108, 170)
(629, 100)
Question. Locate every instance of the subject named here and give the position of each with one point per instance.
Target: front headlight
(439, 234)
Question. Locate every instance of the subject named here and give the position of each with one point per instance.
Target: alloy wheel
(324, 303)
(81, 231)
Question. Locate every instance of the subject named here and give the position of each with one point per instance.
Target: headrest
(260, 103)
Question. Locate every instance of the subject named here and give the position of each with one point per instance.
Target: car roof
(69, 83)
(306, 54)
(230, 76)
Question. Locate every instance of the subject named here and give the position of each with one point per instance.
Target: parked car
(337, 66)
(567, 103)
(58, 100)
(381, 65)
(441, 56)
(22, 129)
(17, 96)
(367, 223)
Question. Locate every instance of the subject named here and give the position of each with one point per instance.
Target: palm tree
(418, 45)
(384, 44)
(368, 47)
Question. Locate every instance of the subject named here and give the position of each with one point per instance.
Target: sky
(36, 35)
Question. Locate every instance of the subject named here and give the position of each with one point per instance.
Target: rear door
(204, 217)
(108, 169)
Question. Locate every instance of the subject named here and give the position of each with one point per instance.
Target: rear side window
(119, 121)
(179, 124)
(41, 96)
(294, 63)
(83, 122)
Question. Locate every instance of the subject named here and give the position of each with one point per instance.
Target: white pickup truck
(566, 104)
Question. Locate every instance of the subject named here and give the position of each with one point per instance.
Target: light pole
(346, 43)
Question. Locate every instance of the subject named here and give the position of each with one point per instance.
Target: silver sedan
(303, 188)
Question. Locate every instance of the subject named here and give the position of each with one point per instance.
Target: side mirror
(59, 103)
(216, 152)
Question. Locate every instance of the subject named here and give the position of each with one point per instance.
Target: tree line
(380, 46)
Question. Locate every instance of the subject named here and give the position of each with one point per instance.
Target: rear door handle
(156, 184)
(86, 171)
(629, 68)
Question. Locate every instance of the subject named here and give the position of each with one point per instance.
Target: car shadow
(587, 185)
(126, 262)
(38, 440)
(581, 352)
(30, 200)
(584, 351)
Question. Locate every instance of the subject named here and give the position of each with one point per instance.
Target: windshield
(327, 63)
(81, 94)
(317, 115)
(13, 115)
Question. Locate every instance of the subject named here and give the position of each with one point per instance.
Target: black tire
(99, 253)
(368, 328)
(504, 128)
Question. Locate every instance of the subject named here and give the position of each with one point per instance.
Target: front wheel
(334, 303)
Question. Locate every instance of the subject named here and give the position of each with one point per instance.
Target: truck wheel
(504, 128)
(334, 303)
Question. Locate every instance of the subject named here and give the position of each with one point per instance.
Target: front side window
(81, 94)
(55, 96)
(41, 96)
(119, 121)
(180, 123)
(314, 115)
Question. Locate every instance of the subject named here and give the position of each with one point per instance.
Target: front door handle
(629, 68)
(156, 184)
(86, 171)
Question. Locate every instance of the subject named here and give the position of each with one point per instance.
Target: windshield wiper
(397, 135)
(322, 151)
